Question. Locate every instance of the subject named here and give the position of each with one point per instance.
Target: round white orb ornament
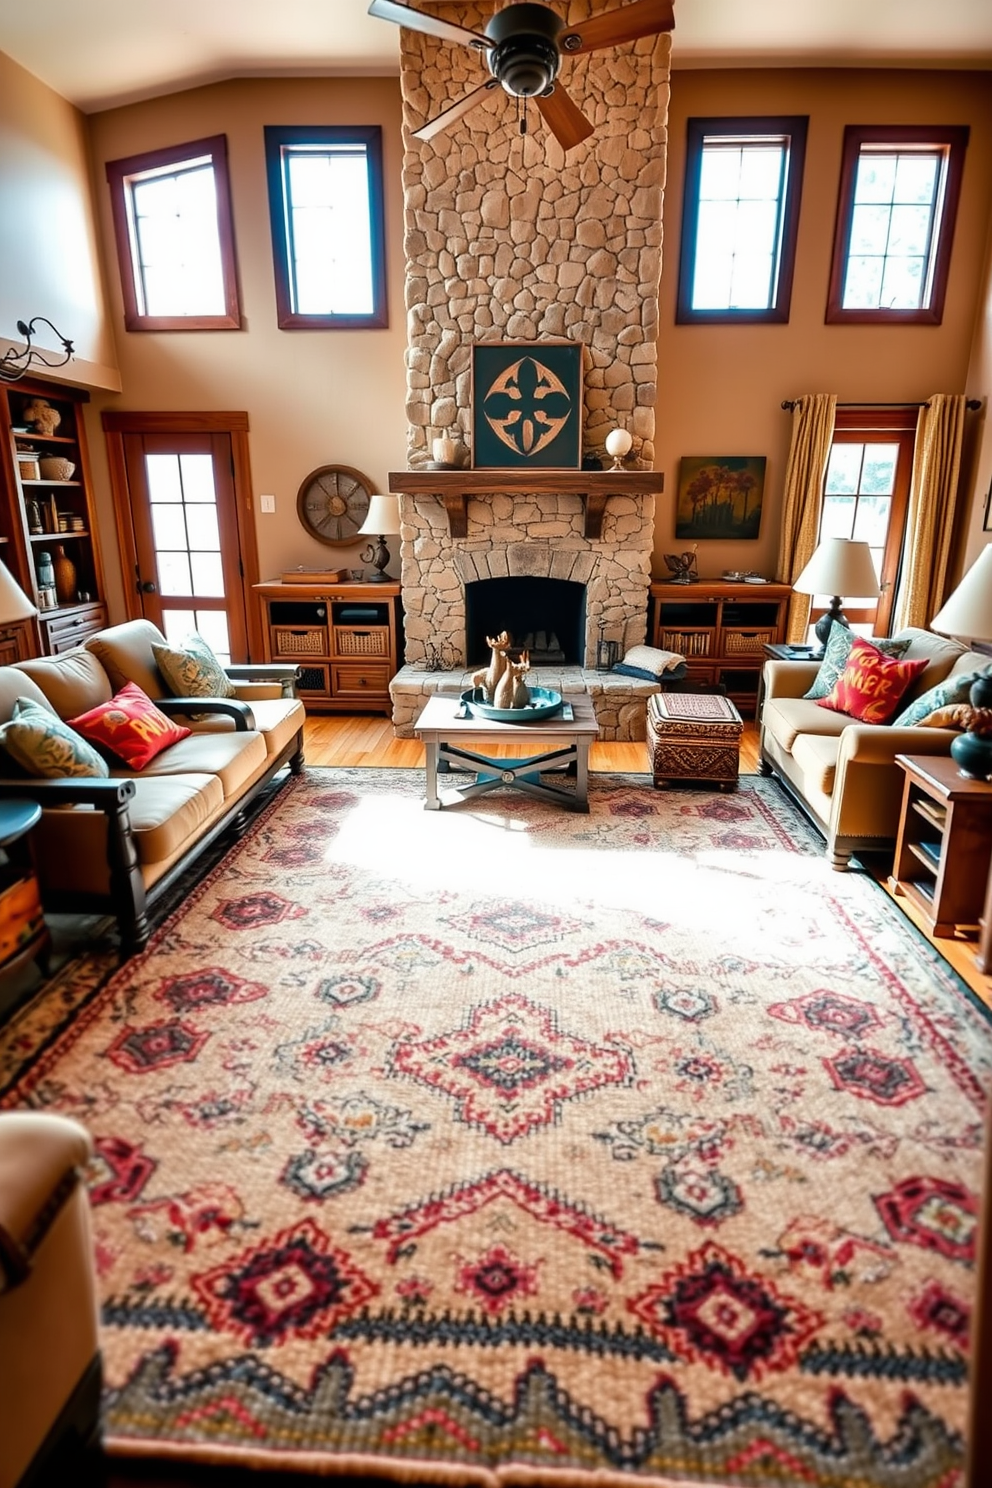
(618, 443)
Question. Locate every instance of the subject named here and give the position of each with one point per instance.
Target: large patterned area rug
(508, 1145)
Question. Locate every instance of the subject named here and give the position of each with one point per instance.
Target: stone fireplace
(508, 238)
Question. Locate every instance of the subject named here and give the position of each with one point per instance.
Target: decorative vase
(972, 754)
(65, 576)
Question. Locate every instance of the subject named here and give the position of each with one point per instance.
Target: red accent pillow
(130, 727)
(871, 685)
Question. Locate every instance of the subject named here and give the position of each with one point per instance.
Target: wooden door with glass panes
(188, 571)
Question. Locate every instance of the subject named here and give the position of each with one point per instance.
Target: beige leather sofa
(49, 1360)
(843, 773)
(116, 845)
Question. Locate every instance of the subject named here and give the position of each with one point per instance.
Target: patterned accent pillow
(838, 649)
(130, 727)
(870, 686)
(46, 747)
(946, 694)
(192, 670)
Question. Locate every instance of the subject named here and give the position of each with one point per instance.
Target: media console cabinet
(344, 638)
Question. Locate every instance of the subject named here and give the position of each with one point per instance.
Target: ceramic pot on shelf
(65, 575)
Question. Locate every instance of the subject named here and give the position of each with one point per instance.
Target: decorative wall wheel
(333, 502)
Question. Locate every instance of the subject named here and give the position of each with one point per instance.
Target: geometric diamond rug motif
(502, 1144)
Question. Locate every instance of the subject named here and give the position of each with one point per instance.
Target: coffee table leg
(582, 774)
(432, 802)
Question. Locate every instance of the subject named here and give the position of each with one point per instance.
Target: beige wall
(313, 397)
(719, 388)
(975, 533)
(49, 259)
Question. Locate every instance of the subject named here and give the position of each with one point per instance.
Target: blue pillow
(946, 694)
(675, 674)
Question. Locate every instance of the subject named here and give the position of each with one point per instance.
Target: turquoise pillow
(838, 650)
(946, 694)
(46, 747)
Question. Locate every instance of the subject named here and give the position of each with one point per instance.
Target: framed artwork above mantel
(526, 405)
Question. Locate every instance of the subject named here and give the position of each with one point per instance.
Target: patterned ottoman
(694, 736)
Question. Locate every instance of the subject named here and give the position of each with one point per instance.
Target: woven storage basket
(56, 468)
(746, 643)
(361, 642)
(299, 642)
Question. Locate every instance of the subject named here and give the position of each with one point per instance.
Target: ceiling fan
(523, 46)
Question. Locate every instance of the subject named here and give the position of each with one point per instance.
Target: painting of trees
(720, 496)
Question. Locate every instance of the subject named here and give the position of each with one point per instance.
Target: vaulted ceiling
(101, 53)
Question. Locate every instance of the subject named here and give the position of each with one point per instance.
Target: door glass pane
(173, 573)
(185, 527)
(212, 626)
(208, 577)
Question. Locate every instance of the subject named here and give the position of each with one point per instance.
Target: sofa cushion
(73, 682)
(46, 747)
(233, 758)
(191, 669)
(276, 719)
(15, 684)
(837, 651)
(942, 655)
(130, 727)
(786, 719)
(125, 652)
(871, 684)
(167, 811)
(954, 689)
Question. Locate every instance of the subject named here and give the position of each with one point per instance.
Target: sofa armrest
(79, 790)
(283, 673)
(244, 718)
(788, 678)
(877, 744)
(40, 1159)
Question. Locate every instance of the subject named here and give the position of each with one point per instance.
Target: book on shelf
(932, 811)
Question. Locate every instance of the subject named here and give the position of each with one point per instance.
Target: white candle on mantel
(444, 450)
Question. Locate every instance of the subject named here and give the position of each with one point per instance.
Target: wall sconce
(15, 364)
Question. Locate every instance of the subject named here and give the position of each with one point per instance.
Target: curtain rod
(972, 404)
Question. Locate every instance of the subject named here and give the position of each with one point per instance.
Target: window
(325, 204)
(866, 497)
(899, 192)
(740, 216)
(175, 238)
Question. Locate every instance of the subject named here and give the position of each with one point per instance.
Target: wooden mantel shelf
(454, 487)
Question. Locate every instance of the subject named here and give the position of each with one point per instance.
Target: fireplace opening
(545, 617)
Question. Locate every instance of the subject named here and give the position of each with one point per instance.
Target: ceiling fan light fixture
(524, 65)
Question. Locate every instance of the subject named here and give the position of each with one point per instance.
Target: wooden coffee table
(446, 732)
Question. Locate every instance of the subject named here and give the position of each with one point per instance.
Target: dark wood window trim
(793, 127)
(119, 175)
(276, 138)
(953, 138)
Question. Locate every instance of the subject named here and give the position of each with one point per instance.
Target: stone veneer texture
(508, 238)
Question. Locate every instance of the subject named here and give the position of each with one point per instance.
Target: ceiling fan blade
(416, 20)
(641, 18)
(454, 111)
(565, 119)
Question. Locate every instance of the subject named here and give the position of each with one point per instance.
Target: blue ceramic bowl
(544, 703)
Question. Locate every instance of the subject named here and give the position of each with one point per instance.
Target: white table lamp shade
(840, 566)
(967, 612)
(14, 603)
(383, 517)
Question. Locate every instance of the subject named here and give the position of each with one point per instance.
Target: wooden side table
(944, 844)
(23, 933)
